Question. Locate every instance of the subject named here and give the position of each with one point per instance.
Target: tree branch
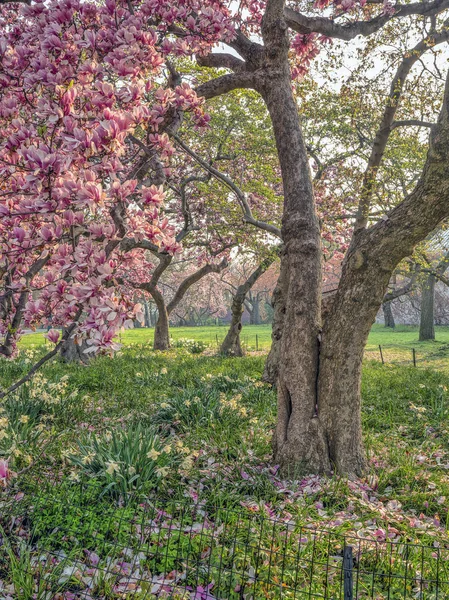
(247, 213)
(192, 279)
(385, 128)
(411, 123)
(348, 31)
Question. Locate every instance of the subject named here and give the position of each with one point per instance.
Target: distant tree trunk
(426, 324)
(162, 330)
(254, 315)
(147, 314)
(231, 344)
(388, 315)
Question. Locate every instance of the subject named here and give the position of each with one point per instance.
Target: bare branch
(240, 195)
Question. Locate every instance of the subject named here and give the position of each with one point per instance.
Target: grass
(396, 344)
(97, 452)
(209, 335)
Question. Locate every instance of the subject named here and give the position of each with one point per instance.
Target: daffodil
(153, 454)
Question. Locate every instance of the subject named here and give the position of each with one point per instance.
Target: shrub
(193, 346)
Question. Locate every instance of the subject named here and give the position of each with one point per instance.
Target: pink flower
(53, 336)
(4, 472)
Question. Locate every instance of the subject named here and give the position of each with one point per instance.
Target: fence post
(257, 342)
(414, 357)
(216, 337)
(347, 573)
(381, 355)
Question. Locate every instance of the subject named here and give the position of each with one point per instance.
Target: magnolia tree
(81, 84)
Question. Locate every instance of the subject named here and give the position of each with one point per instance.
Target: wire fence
(168, 549)
(407, 356)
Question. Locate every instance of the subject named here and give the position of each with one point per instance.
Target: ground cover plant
(91, 455)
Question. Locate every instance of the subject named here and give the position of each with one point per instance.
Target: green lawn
(396, 345)
(208, 335)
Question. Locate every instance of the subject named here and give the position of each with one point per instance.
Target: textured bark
(162, 330)
(427, 317)
(270, 373)
(388, 315)
(231, 344)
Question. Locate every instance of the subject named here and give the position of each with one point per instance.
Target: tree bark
(270, 373)
(231, 345)
(427, 317)
(162, 329)
(388, 315)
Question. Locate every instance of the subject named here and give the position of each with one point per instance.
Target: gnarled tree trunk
(319, 371)
(427, 317)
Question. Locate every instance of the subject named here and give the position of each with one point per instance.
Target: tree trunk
(388, 315)
(427, 319)
(162, 329)
(147, 314)
(255, 312)
(299, 442)
(231, 345)
(270, 373)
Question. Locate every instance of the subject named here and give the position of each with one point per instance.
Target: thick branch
(411, 123)
(348, 31)
(225, 83)
(221, 60)
(386, 125)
